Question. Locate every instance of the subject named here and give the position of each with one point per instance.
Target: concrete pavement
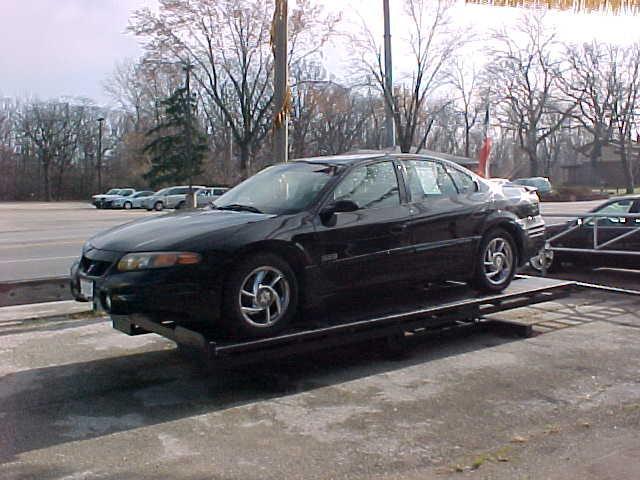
(20, 313)
(81, 400)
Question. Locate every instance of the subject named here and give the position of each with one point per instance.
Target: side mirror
(338, 207)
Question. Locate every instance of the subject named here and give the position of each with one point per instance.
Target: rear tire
(260, 297)
(180, 206)
(496, 262)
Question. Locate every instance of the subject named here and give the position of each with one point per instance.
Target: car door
(370, 245)
(443, 221)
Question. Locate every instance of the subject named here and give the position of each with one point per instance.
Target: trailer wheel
(544, 261)
(260, 297)
(496, 262)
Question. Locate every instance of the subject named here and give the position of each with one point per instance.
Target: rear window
(463, 181)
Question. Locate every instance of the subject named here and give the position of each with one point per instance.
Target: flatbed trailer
(393, 320)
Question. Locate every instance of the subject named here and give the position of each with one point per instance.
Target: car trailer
(447, 309)
(597, 245)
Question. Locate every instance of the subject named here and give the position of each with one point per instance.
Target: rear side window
(370, 186)
(463, 181)
(427, 179)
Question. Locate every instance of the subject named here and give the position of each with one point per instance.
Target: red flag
(483, 163)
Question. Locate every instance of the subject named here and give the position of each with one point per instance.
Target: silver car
(132, 201)
(172, 197)
(207, 195)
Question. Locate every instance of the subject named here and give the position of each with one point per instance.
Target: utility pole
(191, 198)
(280, 97)
(99, 157)
(390, 133)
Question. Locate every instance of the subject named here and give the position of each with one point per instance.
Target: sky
(53, 48)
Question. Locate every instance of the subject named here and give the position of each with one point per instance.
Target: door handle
(398, 229)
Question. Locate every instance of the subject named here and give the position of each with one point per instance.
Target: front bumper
(186, 291)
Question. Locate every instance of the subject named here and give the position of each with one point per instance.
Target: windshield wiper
(239, 208)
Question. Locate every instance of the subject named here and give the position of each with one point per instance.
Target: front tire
(496, 262)
(260, 297)
(127, 205)
(158, 206)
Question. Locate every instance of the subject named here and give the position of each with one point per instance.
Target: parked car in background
(617, 240)
(131, 201)
(100, 200)
(205, 196)
(542, 184)
(169, 197)
(107, 201)
(297, 233)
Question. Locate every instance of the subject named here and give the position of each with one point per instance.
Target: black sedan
(610, 238)
(297, 233)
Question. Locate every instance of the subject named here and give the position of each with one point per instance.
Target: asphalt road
(41, 240)
(79, 400)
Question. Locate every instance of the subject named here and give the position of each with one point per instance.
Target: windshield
(162, 192)
(113, 191)
(281, 189)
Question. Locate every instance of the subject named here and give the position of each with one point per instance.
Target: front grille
(93, 268)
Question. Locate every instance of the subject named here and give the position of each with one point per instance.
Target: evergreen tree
(172, 161)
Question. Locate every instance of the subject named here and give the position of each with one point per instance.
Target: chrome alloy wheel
(498, 261)
(264, 296)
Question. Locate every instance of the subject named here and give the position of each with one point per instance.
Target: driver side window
(370, 186)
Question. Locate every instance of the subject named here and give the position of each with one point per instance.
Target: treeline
(551, 104)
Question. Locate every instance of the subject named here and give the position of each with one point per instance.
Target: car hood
(176, 231)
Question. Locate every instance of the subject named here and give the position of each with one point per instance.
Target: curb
(44, 311)
(39, 290)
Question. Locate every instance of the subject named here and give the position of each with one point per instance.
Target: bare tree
(588, 82)
(431, 44)
(524, 65)
(229, 43)
(626, 84)
(464, 80)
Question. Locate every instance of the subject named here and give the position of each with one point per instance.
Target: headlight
(144, 261)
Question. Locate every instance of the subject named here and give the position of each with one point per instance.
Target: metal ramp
(443, 309)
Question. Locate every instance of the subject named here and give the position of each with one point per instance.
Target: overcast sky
(51, 48)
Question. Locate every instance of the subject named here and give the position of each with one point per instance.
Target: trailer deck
(394, 318)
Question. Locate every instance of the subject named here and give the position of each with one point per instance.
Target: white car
(132, 201)
(172, 197)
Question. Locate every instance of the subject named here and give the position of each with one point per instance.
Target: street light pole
(390, 134)
(99, 156)
(280, 97)
(191, 200)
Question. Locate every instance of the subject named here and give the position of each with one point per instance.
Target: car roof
(623, 197)
(352, 158)
(343, 159)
